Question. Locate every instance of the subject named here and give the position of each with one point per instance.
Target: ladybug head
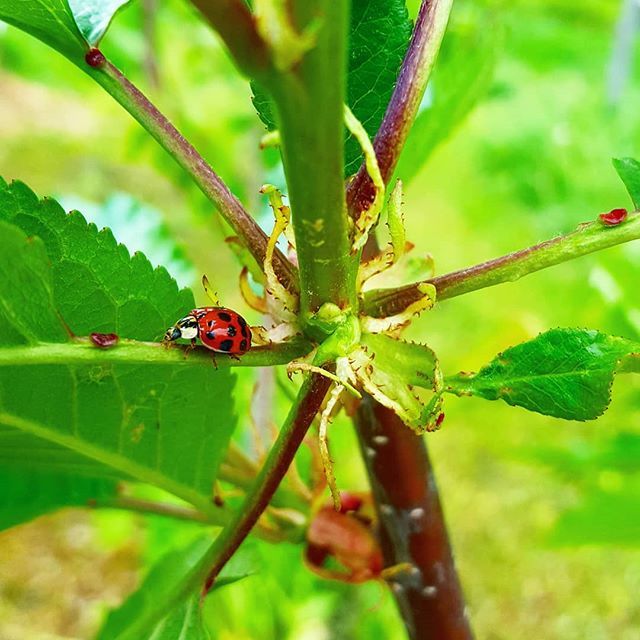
(186, 328)
(172, 333)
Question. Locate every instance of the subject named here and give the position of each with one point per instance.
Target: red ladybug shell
(222, 330)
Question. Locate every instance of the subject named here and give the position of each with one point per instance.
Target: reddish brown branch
(235, 24)
(412, 527)
(275, 467)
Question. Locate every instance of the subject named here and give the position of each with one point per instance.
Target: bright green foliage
(162, 607)
(66, 25)
(48, 20)
(629, 171)
(184, 621)
(566, 373)
(604, 513)
(28, 493)
(93, 17)
(461, 77)
(165, 425)
(379, 35)
(118, 293)
(167, 605)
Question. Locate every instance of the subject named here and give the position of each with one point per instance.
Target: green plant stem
(588, 238)
(275, 467)
(235, 24)
(413, 77)
(174, 511)
(231, 209)
(83, 351)
(217, 517)
(412, 526)
(309, 102)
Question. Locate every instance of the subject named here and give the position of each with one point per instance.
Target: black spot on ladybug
(225, 345)
(223, 315)
(210, 324)
(231, 331)
(243, 345)
(244, 331)
(242, 322)
(210, 335)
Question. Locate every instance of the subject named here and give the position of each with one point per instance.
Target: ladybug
(220, 329)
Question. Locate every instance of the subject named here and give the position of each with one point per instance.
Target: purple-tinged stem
(235, 24)
(588, 238)
(403, 107)
(266, 483)
(148, 115)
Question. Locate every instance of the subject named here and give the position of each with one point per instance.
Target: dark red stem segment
(400, 113)
(412, 527)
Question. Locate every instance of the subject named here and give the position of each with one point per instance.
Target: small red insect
(614, 217)
(220, 329)
(104, 340)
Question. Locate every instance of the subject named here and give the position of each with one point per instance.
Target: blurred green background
(544, 514)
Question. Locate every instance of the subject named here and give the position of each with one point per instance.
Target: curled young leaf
(404, 377)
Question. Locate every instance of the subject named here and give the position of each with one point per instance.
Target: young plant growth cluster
(87, 380)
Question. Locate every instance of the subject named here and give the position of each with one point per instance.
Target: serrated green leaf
(566, 373)
(461, 77)
(165, 607)
(167, 425)
(379, 35)
(48, 20)
(27, 494)
(93, 17)
(629, 171)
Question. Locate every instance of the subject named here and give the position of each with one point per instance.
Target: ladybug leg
(215, 362)
(189, 348)
(233, 356)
